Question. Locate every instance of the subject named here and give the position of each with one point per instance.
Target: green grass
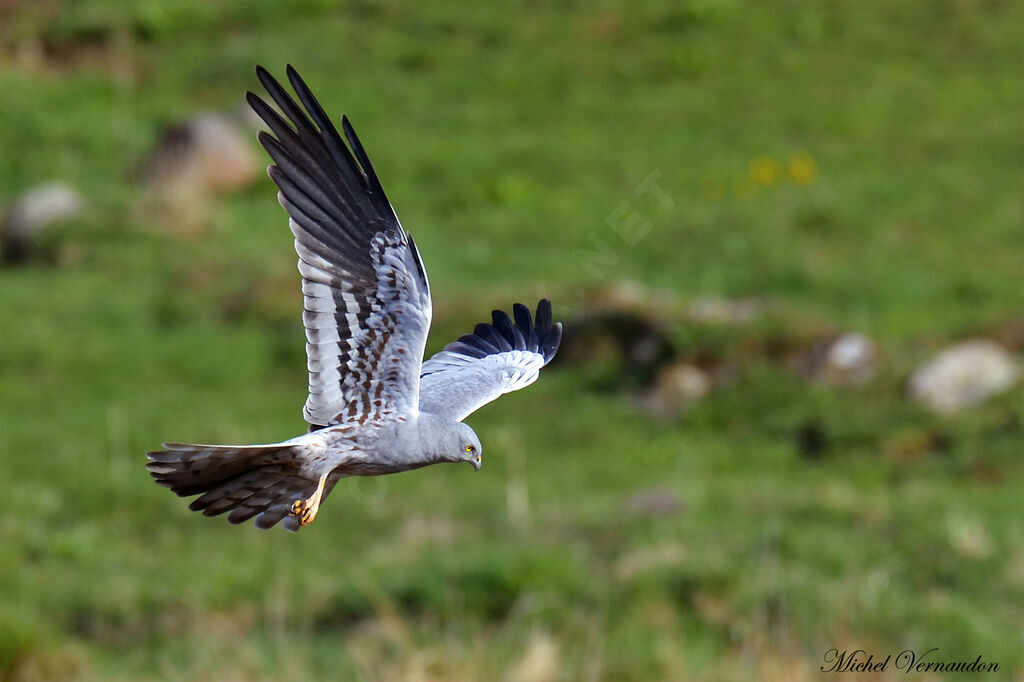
(857, 164)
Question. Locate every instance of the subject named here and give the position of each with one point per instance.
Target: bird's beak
(477, 461)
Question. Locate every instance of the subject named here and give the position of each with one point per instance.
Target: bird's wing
(496, 358)
(367, 300)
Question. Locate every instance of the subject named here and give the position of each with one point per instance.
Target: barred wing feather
(367, 300)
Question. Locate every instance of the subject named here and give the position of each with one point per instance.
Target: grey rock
(676, 387)
(208, 152)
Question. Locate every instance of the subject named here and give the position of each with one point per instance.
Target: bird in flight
(374, 406)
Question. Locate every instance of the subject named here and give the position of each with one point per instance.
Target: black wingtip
(264, 77)
(542, 320)
(503, 323)
(549, 334)
(298, 83)
(523, 319)
(353, 141)
(551, 342)
(539, 334)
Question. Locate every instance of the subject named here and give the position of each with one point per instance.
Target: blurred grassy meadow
(855, 165)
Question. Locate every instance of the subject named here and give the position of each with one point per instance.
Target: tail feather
(182, 465)
(248, 481)
(238, 490)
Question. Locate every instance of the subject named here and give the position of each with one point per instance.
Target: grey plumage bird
(374, 406)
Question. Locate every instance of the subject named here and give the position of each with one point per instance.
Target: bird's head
(468, 446)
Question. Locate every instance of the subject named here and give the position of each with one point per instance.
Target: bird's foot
(306, 509)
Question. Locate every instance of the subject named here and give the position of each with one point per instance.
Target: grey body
(374, 406)
(389, 447)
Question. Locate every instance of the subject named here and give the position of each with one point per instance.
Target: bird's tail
(247, 480)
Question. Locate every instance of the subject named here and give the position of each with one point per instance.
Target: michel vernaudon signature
(908, 660)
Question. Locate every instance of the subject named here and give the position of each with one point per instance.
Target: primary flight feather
(374, 406)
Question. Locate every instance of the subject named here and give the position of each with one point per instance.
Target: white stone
(42, 206)
(963, 375)
(851, 359)
(33, 212)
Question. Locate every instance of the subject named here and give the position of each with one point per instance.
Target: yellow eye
(469, 448)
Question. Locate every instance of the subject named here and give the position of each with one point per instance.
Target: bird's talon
(306, 509)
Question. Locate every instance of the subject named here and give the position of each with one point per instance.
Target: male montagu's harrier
(374, 406)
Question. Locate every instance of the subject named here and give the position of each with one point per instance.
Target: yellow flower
(802, 168)
(764, 170)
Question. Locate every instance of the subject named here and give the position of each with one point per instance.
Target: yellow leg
(307, 509)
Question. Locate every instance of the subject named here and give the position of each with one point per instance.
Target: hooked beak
(476, 462)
